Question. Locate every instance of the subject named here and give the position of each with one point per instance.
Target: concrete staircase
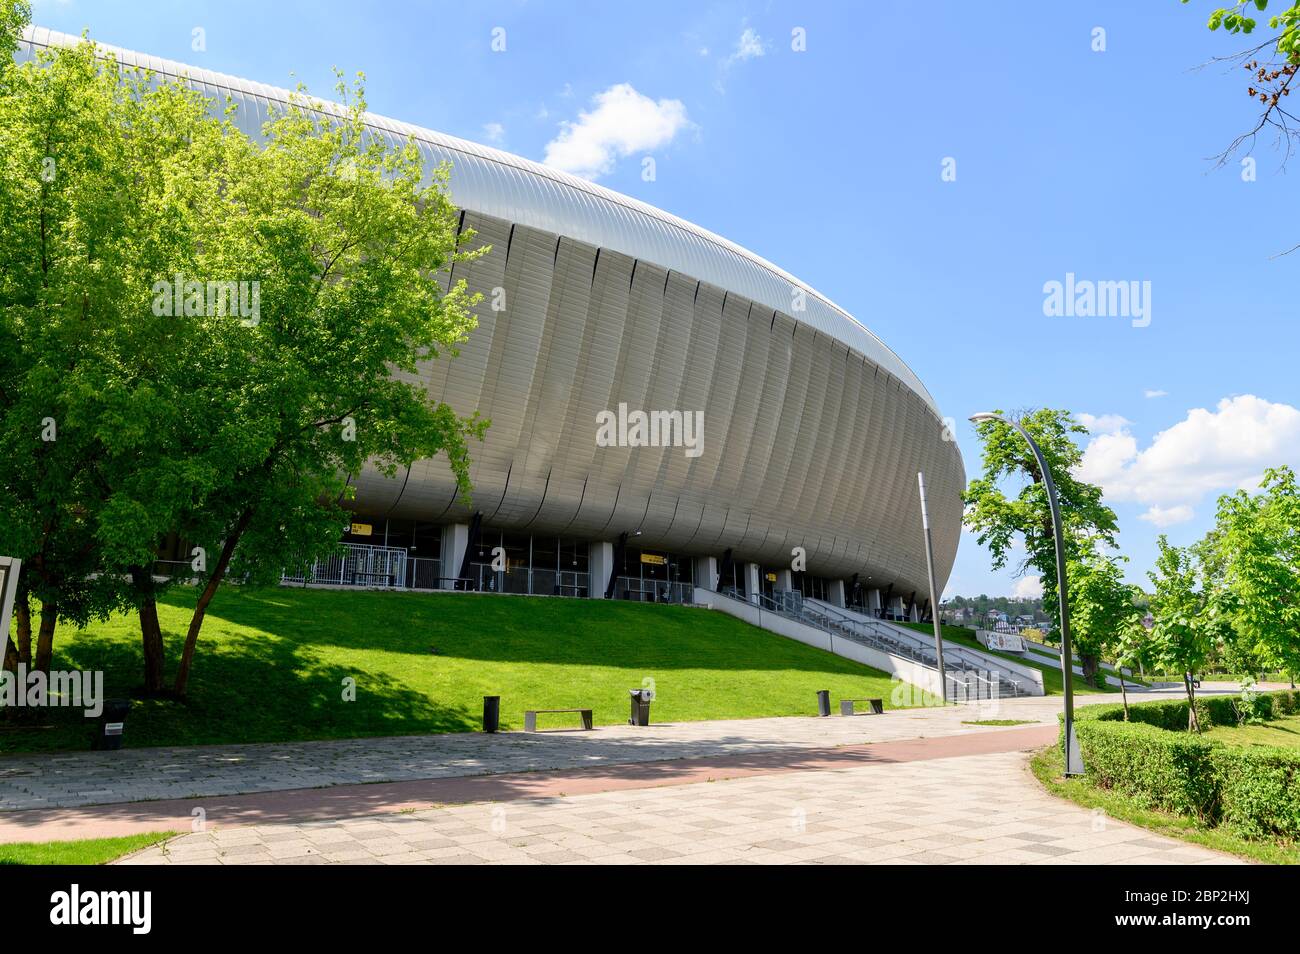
(983, 667)
(968, 675)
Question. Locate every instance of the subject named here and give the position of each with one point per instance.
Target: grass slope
(89, 851)
(271, 665)
(1052, 683)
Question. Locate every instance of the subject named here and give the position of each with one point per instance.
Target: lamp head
(985, 416)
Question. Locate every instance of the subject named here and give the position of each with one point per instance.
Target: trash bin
(491, 713)
(641, 699)
(823, 702)
(110, 725)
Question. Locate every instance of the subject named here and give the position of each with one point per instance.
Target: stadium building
(669, 410)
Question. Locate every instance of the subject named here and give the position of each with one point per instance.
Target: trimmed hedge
(1259, 790)
(1156, 762)
(1210, 710)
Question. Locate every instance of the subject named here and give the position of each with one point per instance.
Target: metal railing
(653, 591)
(880, 637)
(355, 565)
(522, 580)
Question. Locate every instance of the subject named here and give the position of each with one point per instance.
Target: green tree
(1256, 543)
(998, 519)
(240, 429)
(1132, 648)
(1189, 617)
(348, 237)
(1102, 607)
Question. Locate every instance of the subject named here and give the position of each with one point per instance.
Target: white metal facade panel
(814, 430)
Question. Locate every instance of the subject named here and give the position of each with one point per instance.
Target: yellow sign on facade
(362, 529)
(654, 558)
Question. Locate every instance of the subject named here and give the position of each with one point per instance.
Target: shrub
(1212, 710)
(1156, 762)
(1171, 771)
(1259, 790)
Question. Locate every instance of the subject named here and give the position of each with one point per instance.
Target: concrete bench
(530, 717)
(877, 706)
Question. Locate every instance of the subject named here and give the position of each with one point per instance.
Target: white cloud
(1206, 453)
(622, 122)
(494, 132)
(1027, 588)
(1103, 423)
(1168, 516)
(748, 47)
(1154, 393)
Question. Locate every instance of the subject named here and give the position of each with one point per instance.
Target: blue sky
(828, 162)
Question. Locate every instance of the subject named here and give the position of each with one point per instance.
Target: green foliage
(1160, 769)
(1211, 710)
(998, 519)
(1236, 19)
(1189, 610)
(1258, 790)
(1256, 543)
(1252, 706)
(1102, 605)
(14, 16)
(1255, 790)
(175, 414)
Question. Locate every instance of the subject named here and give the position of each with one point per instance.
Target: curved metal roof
(510, 187)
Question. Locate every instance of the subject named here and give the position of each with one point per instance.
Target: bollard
(823, 702)
(491, 713)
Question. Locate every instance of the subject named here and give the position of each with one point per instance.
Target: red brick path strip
(349, 801)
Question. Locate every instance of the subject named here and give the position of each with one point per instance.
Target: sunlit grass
(274, 664)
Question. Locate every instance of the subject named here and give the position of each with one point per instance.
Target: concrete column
(896, 606)
(455, 537)
(753, 582)
(837, 594)
(916, 613)
(600, 562)
(784, 580)
(873, 600)
(706, 572)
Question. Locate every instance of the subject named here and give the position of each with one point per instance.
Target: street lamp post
(934, 595)
(1073, 759)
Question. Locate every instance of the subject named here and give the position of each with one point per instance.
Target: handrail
(883, 637)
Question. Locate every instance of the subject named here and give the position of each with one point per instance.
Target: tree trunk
(1090, 663)
(11, 655)
(1193, 723)
(45, 637)
(201, 608)
(23, 614)
(150, 631)
(1123, 691)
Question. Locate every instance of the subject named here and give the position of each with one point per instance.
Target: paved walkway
(345, 801)
(978, 809)
(75, 779)
(845, 774)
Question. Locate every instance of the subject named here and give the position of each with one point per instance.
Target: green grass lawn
(1283, 732)
(1048, 766)
(89, 851)
(271, 665)
(1052, 683)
